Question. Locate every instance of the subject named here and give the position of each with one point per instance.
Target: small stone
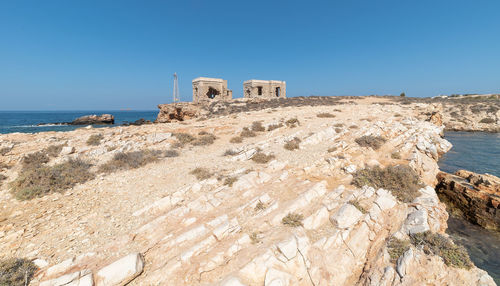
(67, 150)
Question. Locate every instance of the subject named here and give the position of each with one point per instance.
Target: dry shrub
(402, 181)
(274, 126)
(332, 149)
(325, 115)
(171, 153)
(487, 120)
(262, 158)
(201, 173)
(353, 127)
(257, 126)
(247, 133)
(375, 142)
(130, 160)
(4, 166)
(397, 247)
(53, 150)
(293, 122)
(16, 271)
(35, 159)
(292, 144)
(358, 206)
(293, 219)
(260, 206)
(39, 180)
(396, 155)
(184, 138)
(95, 139)
(236, 139)
(438, 244)
(338, 130)
(339, 125)
(2, 178)
(230, 152)
(229, 181)
(203, 140)
(255, 237)
(5, 150)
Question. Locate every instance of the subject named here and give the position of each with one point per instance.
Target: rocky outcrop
(177, 112)
(473, 196)
(94, 119)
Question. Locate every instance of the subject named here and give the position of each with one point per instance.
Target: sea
(42, 121)
(478, 152)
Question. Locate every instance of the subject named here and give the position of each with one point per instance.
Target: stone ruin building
(206, 89)
(264, 89)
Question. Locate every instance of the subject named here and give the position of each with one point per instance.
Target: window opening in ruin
(212, 92)
(278, 90)
(259, 90)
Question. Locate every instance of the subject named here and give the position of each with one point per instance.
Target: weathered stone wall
(264, 89)
(209, 89)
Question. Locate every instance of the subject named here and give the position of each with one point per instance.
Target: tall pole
(176, 89)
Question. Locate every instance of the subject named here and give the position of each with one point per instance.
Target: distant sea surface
(477, 152)
(27, 121)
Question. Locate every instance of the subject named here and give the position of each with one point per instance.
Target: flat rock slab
(121, 271)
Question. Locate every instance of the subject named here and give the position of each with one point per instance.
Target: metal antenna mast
(176, 89)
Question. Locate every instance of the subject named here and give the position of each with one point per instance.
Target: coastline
(134, 210)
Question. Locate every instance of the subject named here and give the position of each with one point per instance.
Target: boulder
(121, 271)
(177, 112)
(94, 119)
(346, 217)
(473, 196)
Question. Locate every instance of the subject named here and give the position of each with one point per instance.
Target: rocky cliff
(329, 193)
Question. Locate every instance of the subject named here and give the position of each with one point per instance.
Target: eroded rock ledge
(473, 196)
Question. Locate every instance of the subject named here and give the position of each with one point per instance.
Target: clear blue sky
(99, 54)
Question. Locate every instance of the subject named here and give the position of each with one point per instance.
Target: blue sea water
(480, 153)
(27, 121)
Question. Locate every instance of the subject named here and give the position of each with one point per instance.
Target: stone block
(121, 271)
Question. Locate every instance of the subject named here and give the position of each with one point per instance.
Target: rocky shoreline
(244, 194)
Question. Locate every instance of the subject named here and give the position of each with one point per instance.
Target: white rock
(404, 262)
(385, 202)
(416, 222)
(79, 278)
(288, 247)
(231, 281)
(346, 216)
(67, 150)
(316, 219)
(40, 263)
(61, 267)
(121, 271)
(350, 169)
(277, 278)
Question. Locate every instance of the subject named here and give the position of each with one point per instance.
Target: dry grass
(396, 248)
(293, 122)
(204, 139)
(171, 153)
(338, 125)
(438, 244)
(262, 158)
(229, 181)
(332, 149)
(353, 127)
(247, 133)
(95, 140)
(487, 120)
(201, 173)
(39, 180)
(53, 150)
(260, 206)
(325, 115)
(292, 144)
(184, 138)
(375, 142)
(254, 237)
(396, 155)
(257, 126)
(16, 271)
(35, 159)
(5, 150)
(293, 220)
(402, 181)
(130, 160)
(274, 126)
(230, 152)
(236, 139)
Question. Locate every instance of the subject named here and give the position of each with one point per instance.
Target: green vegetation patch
(438, 244)
(402, 181)
(397, 247)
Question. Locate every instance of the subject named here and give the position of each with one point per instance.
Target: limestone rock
(277, 278)
(94, 119)
(346, 216)
(121, 271)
